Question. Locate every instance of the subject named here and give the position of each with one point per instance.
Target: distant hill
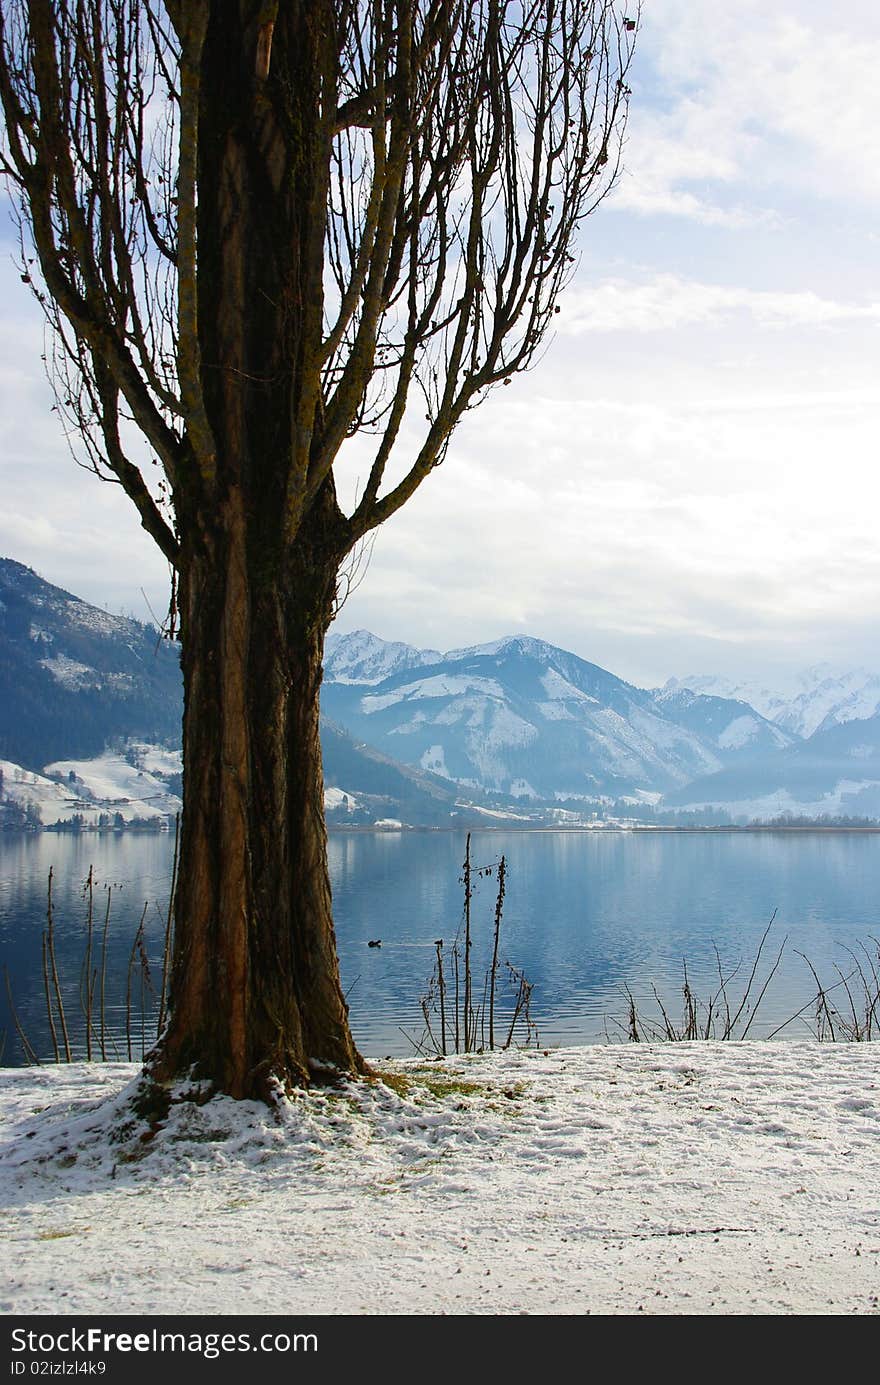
(835, 773)
(363, 786)
(73, 677)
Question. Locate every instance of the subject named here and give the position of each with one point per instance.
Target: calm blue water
(587, 915)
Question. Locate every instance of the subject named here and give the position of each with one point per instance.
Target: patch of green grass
(451, 1086)
(438, 1083)
(395, 1080)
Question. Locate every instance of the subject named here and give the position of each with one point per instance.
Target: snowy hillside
(111, 790)
(525, 718)
(73, 677)
(834, 773)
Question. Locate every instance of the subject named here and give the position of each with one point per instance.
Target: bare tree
(257, 230)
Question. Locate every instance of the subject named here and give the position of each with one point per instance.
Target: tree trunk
(255, 991)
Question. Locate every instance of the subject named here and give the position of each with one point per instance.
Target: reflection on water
(586, 915)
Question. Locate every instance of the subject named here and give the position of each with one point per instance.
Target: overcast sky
(689, 480)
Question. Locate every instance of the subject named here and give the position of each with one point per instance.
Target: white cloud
(668, 301)
(641, 535)
(734, 103)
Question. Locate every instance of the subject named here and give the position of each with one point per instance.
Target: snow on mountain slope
(520, 716)
(360, 657)
(73, 678)
(768, 702)
(836, 772)
(731, 726)
(831, 699)
(112, 782)
(440, 685)
(822, 696)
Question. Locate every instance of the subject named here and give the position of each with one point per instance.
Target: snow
(113, 782)
(440, 685)
(505, 729)
(495, 813)
(70, 673)
(738, 733)
(53, 802)
(558, 689)
(339, 798)
(851, 697)
(837, 801)
(555, 711)
(526, 645)
(686, 1179)
(823, 696)
(769, 702)
(156, 759)
(361, 657)
(108, 783)
(75, 612)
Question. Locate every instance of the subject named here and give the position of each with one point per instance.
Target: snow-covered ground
(130, 785)
(112, 781)
(675, 1179)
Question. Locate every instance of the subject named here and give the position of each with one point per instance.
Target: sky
(688, 481)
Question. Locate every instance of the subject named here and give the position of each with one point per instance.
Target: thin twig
(29, 1053)
(51, 1017)
(50, 946)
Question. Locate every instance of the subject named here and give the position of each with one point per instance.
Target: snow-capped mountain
(770, 703)
(823, 696)
(362, 658)
(525, 718)
(830, 697)
(748, 734)
(90, 723)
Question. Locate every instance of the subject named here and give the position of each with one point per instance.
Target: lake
(588, 917)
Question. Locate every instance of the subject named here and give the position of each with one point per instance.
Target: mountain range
(516, 730)
(541, 725)
(823, 697)
(526, 719)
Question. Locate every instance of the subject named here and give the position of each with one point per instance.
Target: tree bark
(255, 991)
